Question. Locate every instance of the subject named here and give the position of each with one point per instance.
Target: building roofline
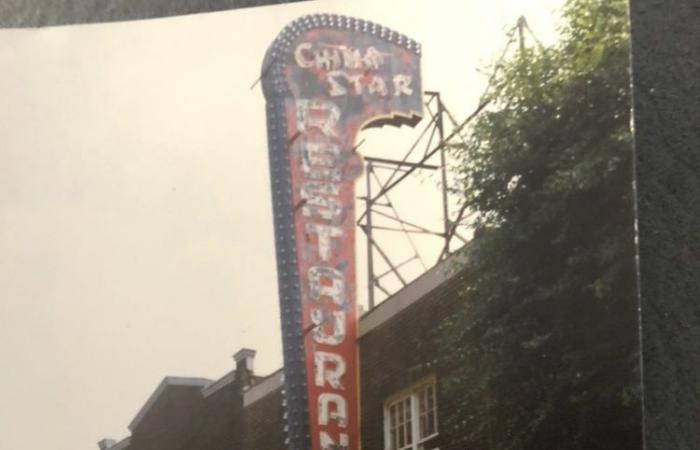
(410, 294)
(385, 311)
(121, 445)
(167, 382)
(219, 384)
(263, 388)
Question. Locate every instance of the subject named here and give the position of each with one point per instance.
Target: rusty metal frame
(402, 168)
(434, 142)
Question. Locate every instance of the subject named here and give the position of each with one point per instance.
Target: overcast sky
(136, 234)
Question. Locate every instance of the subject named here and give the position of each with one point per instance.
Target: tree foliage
(544, 354)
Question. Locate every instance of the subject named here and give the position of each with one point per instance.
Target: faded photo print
(410, 225)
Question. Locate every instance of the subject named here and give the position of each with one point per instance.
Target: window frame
(411, 393)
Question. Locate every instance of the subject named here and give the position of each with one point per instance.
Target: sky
(136, 235)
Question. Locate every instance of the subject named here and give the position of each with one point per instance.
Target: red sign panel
(328, 77)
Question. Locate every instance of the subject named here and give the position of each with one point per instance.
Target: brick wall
(218, 423)
(265, 424)
(400, 353)
(169, 422)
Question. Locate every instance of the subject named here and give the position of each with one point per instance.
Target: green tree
(544, 353)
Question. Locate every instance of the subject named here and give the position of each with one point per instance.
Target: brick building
(401, 402)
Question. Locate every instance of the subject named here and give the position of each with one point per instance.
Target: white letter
(322, 173)
(337, 89)
(351, 57)
(299, 55)
(329, 444)
(377, 85)
(340, 415)
(373, 58)
(321, 200)
(317, 289)
(328, 59)
(325, 233)
(320, 114)
(319, 317)
(402, 85)
(332, 376)
(321, 154)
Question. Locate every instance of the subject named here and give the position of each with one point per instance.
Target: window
(410, 418)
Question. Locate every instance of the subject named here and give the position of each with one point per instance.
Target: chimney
(104, 444)
(244, 367)
(244, 359)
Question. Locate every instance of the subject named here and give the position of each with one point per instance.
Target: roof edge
(167, 382)
(121, 445)
(263, 388)
(411, 293)
(219, 384)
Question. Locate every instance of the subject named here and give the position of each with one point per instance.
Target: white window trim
(415, 417)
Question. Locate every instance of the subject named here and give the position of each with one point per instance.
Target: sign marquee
(325, 78)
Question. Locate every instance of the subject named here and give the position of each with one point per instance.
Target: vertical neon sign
(326, 77)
